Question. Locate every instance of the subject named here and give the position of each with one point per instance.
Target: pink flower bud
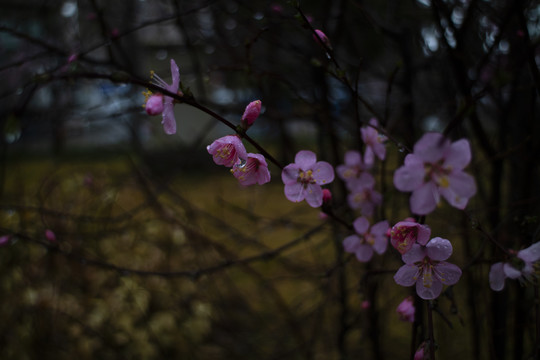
(322, 37)
(251, 113)
(154, 105)
(406, 310)
(50, 235)
(326, 196)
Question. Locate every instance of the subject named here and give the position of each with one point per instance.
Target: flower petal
(295, 192)
(424, 199)
(305, 159)
(461, 186)
(431, 292)
(530, 254)
(351, 243)
(431, 147)
(496, 276)
(175, 73)
(323, 173)
(407, 275)
(511, 272)
(289, 174)
(169, 122)
(458, 155)
(410, 176)
(447, 273)
(439, 249)
(314, 195)
(361, 225)
(415, 254)
(364, 253)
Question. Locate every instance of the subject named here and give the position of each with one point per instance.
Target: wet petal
(439, 249)
(461, 187)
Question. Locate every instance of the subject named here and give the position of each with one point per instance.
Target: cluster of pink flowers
(425, 264)
(355, 171)
(229, 151)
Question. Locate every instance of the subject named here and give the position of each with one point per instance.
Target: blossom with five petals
(304, 177)
(367, 240)
(435, 168)
(426, 267)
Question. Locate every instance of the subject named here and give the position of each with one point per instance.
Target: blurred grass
(183, 264)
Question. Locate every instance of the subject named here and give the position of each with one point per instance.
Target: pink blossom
(374, 142)
(322, 37)
(406, 309)
(435, 168)
(303, 178)
(251, 113)
(425, 267)
(364, 197)
(406, 233)
(167, 107)
(523, 267)
(227, 150)
(367, 240)
(50, 235)
(253, 171)
(354, 169)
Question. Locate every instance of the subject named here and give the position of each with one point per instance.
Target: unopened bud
(322, 37)
(326, 196)
(251, 113)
